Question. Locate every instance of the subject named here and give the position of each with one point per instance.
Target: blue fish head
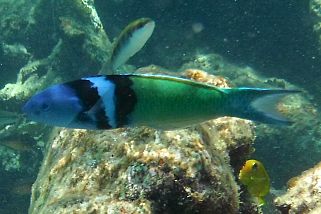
(57, 105)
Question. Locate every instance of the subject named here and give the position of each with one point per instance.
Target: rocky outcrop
(303, 194)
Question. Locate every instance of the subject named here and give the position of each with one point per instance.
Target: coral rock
(304, 193)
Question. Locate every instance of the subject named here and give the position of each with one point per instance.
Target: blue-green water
(275, 38)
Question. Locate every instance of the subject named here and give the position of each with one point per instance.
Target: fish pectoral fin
(260, 201)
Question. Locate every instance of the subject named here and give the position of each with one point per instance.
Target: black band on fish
(94, 109)
(125, 97)
(85, 92)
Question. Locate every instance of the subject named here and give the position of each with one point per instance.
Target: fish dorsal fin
(174, 78)
(129, 42)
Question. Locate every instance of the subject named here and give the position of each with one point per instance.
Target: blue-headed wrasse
(158, 101)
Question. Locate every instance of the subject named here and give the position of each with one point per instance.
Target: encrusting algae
(141, 170)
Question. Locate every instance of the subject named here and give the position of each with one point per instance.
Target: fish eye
(254, 166)
(44, 106)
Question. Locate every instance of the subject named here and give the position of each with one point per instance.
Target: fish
(254, 176)
(131, 40)
(156, 101)
(21, 143)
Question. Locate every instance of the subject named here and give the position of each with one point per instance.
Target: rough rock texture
(141, 170)
(304, 193)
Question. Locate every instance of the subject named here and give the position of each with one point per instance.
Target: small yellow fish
(254, 176)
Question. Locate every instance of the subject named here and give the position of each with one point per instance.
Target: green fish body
(158, 101)
(168, 102)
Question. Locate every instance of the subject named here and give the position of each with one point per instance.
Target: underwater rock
(74, 21)
(142, 170)
(303, 194)
(13, 52)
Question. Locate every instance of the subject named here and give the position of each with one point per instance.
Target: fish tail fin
(256, 104)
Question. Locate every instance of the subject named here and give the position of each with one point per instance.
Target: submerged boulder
(303, 194)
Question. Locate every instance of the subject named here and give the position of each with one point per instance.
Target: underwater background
(247, 43)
